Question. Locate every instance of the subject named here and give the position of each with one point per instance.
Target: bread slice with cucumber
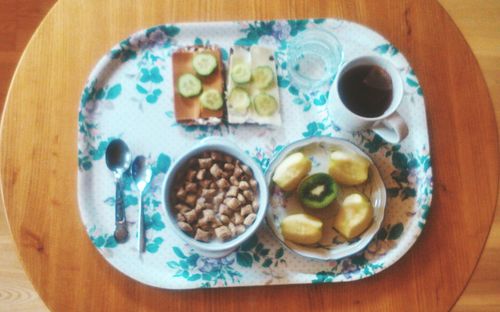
(198, 84)
(252, 92)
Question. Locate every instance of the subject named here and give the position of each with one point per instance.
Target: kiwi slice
(317, 191)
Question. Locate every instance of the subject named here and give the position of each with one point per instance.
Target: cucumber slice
(263, 77)
(241, 73)
(211, 99)
(238, 101)
(265, 104)
(189, 85)
(204, 63)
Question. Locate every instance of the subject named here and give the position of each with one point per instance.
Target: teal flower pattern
(102, 240)
(406, 165)
(95, 144)
(124, 52)
(263, 155)
(386, 48)
(150, 78)
(315, 129)
(412, 81)
(206, 272)
(253, 252)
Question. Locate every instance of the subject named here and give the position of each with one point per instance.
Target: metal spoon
(118, 160)
(141, 173)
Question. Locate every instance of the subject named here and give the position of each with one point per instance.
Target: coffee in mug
(365, 95)
(366, 90)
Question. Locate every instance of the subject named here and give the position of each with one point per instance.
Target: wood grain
(62, 266)
(479, 23)
(18, 21)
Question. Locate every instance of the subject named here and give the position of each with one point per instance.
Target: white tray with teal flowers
(129, 95)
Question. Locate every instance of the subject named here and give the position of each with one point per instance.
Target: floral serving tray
(129, 95)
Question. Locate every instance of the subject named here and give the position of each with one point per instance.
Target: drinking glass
(314, 57)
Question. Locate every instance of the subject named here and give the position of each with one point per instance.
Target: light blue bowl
(216, 248)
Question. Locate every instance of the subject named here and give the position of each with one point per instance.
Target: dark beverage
(366, 90)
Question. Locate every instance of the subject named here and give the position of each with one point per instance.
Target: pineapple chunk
(348, 168)
(354, 216)
(291, 171)
(302, 229)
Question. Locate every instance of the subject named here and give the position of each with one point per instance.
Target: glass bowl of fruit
(326, 198)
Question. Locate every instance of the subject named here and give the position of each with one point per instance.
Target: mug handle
(392, 129)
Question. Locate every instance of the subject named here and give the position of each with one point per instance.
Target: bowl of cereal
(215, 197)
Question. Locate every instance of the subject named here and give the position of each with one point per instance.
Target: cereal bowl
(236, 193)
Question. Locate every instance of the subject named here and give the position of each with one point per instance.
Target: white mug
(390, 125)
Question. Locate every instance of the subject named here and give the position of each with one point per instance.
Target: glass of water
(314, 57)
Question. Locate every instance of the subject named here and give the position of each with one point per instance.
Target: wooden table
(38, 160)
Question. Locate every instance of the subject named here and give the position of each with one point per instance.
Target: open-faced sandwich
(252, 86)
(198, 85)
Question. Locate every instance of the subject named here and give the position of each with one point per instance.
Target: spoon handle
(140, 226)
(121, 232)
(119, 211)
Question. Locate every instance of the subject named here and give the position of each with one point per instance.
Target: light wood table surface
(41, 209)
